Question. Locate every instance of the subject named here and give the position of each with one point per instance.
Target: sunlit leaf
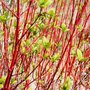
(64, 28)
(2, 79)
(46, 56)
(4, 17)
(11, 36)
(68, 84)
(41, 26)
(80, 55)
(27, 42)
(15, 23)
(10, 48)
(80, 28)
(46, 43)
(1, 85)
(23, 50)
(44, 3)
(13, 81)
(56, 57)
(37, 46)
(52, 12)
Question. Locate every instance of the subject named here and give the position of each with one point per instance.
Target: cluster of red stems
(42, 72)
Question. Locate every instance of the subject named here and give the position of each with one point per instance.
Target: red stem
(6, 85)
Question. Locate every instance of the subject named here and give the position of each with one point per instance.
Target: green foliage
(13, 81)
(64, 28)
(23, 50)
(21, 69)
(33, 30)
(27, 42)
(73, 52)
(12, 36)
(59, 45)
(80, 28)
(44, 3)
(1, 35)
(37, 47)
(80, 6)
(15, 23)
(10, 48)
(52, 12)
(46, 43)
(41, 26)
(56, 57)
(22, 47)
(46, 55)
(2, 79)
(80, 55)
(33, 64)
(68, 84)
(4, 17)
(42, 42)
(1, 85)
(41, 81)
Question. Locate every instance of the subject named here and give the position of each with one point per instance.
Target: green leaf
(1, 85)
(80, 28)
(34, 49)
(46, 43)
(15, 23)
(10, 48)
(48, 3)
(41, 81)
(13, 81)
(37, 46)
(11, 36)
(68, 84)
(80, 55)
(59, 44)
(23, 50)
(44, 3)
(41, 26)
(33, 64)
(2, 79)
(52, 12)
(83, 59)
(56, 57)
(21, 69)
(33, 30)
(73, 52)
(4, 17)
(27, 42)
(64, 28)
(46, 55)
